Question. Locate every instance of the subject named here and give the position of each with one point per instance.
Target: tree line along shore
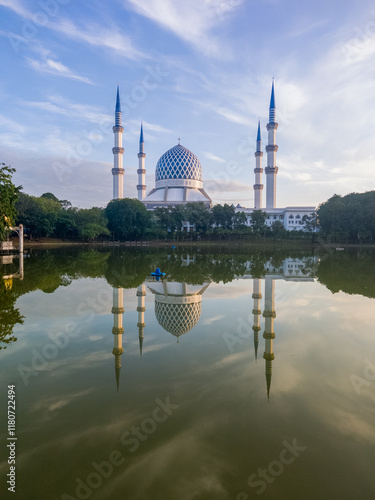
(346, 219)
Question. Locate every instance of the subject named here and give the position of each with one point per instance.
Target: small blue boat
(158, 273)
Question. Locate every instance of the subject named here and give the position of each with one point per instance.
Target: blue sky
(200, 70)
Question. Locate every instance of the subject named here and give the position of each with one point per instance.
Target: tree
(258, 221)
(239, 221)
(198, 215)
(8, 196)
(278, 230)
(49, 196)
(310, 225)
(223, 216)
(350, 217)
(127, 218)
(89, 223)
(38, 215)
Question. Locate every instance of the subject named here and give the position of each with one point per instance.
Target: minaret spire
(258, 170)
(269, 315)
(118, 151)
(141, 294)
(271, 149)
(256, 313)
(141, 187)
(117, 330)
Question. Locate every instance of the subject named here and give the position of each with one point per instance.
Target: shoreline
(261, 243)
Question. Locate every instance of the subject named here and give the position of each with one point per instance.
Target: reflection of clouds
(354, 425)
(56, 403)
(200, 462)
(209, 321)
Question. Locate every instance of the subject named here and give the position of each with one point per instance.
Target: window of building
(291, 216)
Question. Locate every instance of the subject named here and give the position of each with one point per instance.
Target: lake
(242, 374)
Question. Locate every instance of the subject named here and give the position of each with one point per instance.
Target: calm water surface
(241, 375)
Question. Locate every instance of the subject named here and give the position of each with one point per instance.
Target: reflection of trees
(350, 272)
(9, 315)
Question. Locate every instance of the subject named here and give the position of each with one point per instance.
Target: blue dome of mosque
(178, 163)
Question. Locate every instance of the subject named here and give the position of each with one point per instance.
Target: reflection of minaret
(141, 293)
(256, 312)
(269, 315)
(117, 330)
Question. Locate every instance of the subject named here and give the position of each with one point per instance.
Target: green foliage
(8, 196)
(351, 217)
(199, 215)
(278, 230)
(50, 196)
(38, 215)
(90, 223)
(224, 216)
(127, 218)
(9, 315)
(258, 222)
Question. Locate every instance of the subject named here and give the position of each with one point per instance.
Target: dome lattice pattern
(177, 319)
(178, 163)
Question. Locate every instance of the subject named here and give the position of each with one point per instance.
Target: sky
(199, 70)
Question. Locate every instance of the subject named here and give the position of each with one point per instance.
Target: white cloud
(191, 21)
(232, 116)
(63, 106)
(54, 67)
(93, 34)
(211, 156)
(97, 36)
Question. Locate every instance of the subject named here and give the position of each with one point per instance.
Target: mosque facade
(178, 176)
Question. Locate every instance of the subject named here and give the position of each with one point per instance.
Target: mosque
(178, 176)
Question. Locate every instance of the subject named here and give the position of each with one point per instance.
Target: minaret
(271, 169)
(269, 315)
(258, 170)
(141, 170)
(117, 330)
(141, 294)
(118, 151)
(256, 312)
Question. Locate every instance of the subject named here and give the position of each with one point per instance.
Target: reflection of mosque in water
(178, 308)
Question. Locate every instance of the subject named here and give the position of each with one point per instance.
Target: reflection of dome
(177, 318)
(177, 305)
(178, 163)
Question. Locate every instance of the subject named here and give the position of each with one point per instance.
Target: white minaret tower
(141, 294)
(118, 151)
(258, 186)
(269, 315)
(256, 313)
(117, 330)
(141, 170)
(271, 148)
